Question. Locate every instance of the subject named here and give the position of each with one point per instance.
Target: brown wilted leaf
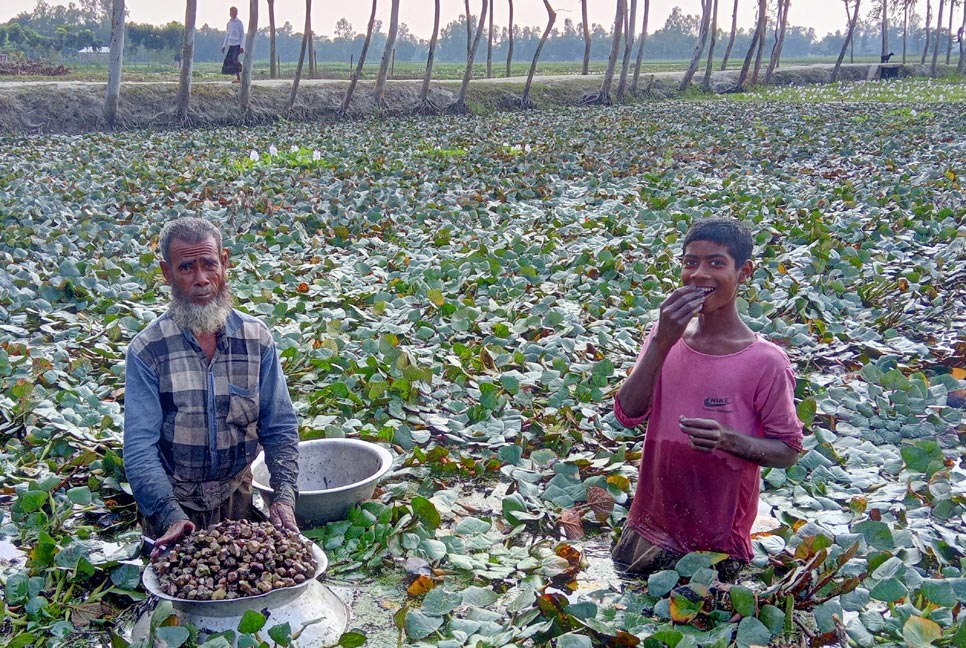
(600, 501)
(303, 287)
(421, 586)
(84, 613)
(572, 526)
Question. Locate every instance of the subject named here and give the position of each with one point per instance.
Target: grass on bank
(211, 71)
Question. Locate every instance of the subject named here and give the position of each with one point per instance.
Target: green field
(469, 291)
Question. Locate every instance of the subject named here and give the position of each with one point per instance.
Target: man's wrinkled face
(197, 274)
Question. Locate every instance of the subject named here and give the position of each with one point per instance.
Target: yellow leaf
(436, 296)
(959, 373)
(421, 586)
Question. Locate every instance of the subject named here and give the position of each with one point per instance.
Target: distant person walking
(233, 41)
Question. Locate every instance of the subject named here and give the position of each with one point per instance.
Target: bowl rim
(152, 583)
(385, 465)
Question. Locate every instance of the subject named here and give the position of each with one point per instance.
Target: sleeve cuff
(287, 494)
(169, 513)
(624, 419)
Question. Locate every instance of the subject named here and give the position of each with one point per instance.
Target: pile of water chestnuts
(234, 559)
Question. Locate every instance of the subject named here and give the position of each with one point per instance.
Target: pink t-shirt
(688, 500)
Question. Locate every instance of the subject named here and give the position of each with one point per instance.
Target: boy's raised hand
(676, 311)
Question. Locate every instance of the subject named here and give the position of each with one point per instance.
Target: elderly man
(203, 390)
(234, 37)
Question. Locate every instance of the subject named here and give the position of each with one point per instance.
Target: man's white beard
(201, 319)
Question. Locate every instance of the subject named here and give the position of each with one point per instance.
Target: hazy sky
(824, 15)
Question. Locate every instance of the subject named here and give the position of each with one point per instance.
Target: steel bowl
(334, 474)
(238, 606)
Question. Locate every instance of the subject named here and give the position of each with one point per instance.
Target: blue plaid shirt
(192, 427)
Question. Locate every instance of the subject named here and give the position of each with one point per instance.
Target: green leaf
(472, 526)
(217, 642)
(692, 562)
(426, 511)
(662, 582)
(439, 602)
(22, 640)
(80, 495)
(419, 625)
(752, 632)
(939, 591)
(281, 634)
(891, 589)
(17, 589)
(251, 622)
(126, 576)
(573, 640)
(806, 411)
(170, 636)
(744, 601)
(352, 639)
(876, 533)
(32, 501)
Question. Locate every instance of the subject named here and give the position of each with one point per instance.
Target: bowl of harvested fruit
(235, 566)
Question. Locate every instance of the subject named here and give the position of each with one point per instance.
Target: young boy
(718, 401)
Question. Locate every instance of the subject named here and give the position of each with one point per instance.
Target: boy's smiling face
(709, 267)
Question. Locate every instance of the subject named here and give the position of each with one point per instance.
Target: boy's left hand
(705, 434)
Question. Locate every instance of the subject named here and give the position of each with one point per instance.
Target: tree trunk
(424, 92)
(344, 109)
(509, 51)
(628, 49)
(306, 38)
(583, 10)
(935, 45)
(117, 56)
(905, 27)
(885, 28)
(925, 49)
(459, 106)
(706, 83)
(731, 39)
(489, 44)
(187, 58)
(640, 48)
(759, 34)
(698, 46)
(469, 28)
(312, 59)
(272, 52)
(961, 66)
(246, 81)
(551, 18)
(780, 28)
(853, 19)
(761, 46)
(380, 92)
(949, 31)
(603, 95)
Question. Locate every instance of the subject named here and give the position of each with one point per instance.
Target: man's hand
(282, 515)
(705, 434)
(241, 50)
(222, 49)
(175, 532)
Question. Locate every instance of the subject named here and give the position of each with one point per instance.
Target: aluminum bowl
(237, 607)
(334, 474)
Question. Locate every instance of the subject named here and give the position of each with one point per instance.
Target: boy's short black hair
(731, 233)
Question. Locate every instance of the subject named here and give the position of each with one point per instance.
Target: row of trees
(44, 37)
(772, 17)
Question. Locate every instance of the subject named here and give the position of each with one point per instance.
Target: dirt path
(76, 106)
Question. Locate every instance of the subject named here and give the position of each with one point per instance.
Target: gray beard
(201, 319)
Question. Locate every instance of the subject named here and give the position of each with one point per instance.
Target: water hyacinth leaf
(888, 590)
(419, 625)
(479, 596)
(688, 601)
(939, 592)
(426, 511)
(251, 622)
(472, 526)
(171, 636)
(876, 533)
(921, 633)
(80, 495)
(583, 610)
(662, 582)
(573, 640)
(281, 634)
(744, 601)
(126, 576)
(696, 560)
(752, 632)
(22, 640)
(352, 639)
(440, 602)
(773, 617)
(216, 642)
